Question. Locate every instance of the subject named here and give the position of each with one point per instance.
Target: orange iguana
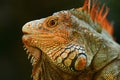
(73, 45)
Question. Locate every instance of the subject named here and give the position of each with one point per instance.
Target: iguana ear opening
(97, 14)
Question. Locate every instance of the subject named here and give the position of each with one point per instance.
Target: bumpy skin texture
(72, 45)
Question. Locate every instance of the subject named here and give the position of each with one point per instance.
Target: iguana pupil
(52, 22)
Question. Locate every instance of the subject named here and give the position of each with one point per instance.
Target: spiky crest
(97, 15)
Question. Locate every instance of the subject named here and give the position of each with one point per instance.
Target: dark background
(14, 64)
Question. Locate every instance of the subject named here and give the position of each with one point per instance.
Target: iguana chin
(73, 45)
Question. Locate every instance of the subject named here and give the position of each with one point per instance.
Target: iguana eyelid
(52, 22)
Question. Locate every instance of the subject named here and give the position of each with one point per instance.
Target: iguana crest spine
(98, 15)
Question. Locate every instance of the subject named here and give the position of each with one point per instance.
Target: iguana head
(56, 36)
(67, 40)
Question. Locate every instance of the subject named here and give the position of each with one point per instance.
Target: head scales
(97, 15)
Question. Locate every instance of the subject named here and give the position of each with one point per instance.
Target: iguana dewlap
(73, 45)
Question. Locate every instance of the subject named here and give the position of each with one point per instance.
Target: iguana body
(72, 45)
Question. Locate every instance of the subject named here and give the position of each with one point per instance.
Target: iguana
(73, 44)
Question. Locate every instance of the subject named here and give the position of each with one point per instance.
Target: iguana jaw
(35, 55)
(32, 51)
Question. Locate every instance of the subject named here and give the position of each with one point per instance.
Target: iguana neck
(108, 52)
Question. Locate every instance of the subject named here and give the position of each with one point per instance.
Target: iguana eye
(52, 22)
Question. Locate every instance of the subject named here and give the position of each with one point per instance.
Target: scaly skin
(72, 45)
